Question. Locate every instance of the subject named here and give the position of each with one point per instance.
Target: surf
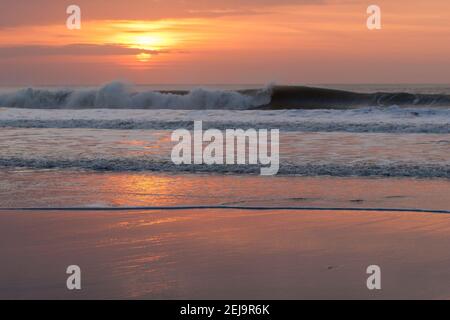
(122, 95)
(368, 119)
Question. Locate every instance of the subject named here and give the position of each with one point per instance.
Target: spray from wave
(121, 95)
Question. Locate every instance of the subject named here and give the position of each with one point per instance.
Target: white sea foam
(371, 119)
(334, 154)
(340, 170)
(123, 95)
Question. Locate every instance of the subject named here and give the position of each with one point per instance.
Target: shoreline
(218, 207)
(88, 190)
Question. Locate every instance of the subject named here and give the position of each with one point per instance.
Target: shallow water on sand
(74, 188)
(224, 254)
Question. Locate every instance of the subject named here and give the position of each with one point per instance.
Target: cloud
(15, 13)
(73, 49)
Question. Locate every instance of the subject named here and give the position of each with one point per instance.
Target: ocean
(86, 178)
(356, 131)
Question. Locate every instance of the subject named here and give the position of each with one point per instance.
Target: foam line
(226, 207)
(301, 125)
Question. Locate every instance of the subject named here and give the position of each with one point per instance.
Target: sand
(224, 254)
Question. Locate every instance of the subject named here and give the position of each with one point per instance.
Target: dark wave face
(319, 98)
(120, 95)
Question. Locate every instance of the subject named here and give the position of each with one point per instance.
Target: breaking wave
(121, 95)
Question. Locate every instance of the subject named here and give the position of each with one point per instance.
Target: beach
(221, 253)
(224, 254)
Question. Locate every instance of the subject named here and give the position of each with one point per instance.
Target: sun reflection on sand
(241, 251)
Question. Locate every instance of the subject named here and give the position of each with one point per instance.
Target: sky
(224, 42)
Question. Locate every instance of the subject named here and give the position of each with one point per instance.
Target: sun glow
(143, 35)
(143, 57)
(148, 41)
(145, 41)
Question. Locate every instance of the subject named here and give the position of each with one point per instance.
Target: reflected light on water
(148, 190)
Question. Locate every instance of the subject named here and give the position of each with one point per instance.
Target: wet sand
(221, 253)
(224, 254)
(72, 188)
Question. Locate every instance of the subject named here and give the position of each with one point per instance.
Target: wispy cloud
(73, 49)
(40, 12)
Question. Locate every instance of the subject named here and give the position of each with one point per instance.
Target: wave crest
(121, 95)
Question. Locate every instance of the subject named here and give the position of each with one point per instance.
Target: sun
(143, 57)
(143, 40)
(148, 42)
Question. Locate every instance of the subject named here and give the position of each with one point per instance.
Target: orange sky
(224, 41)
